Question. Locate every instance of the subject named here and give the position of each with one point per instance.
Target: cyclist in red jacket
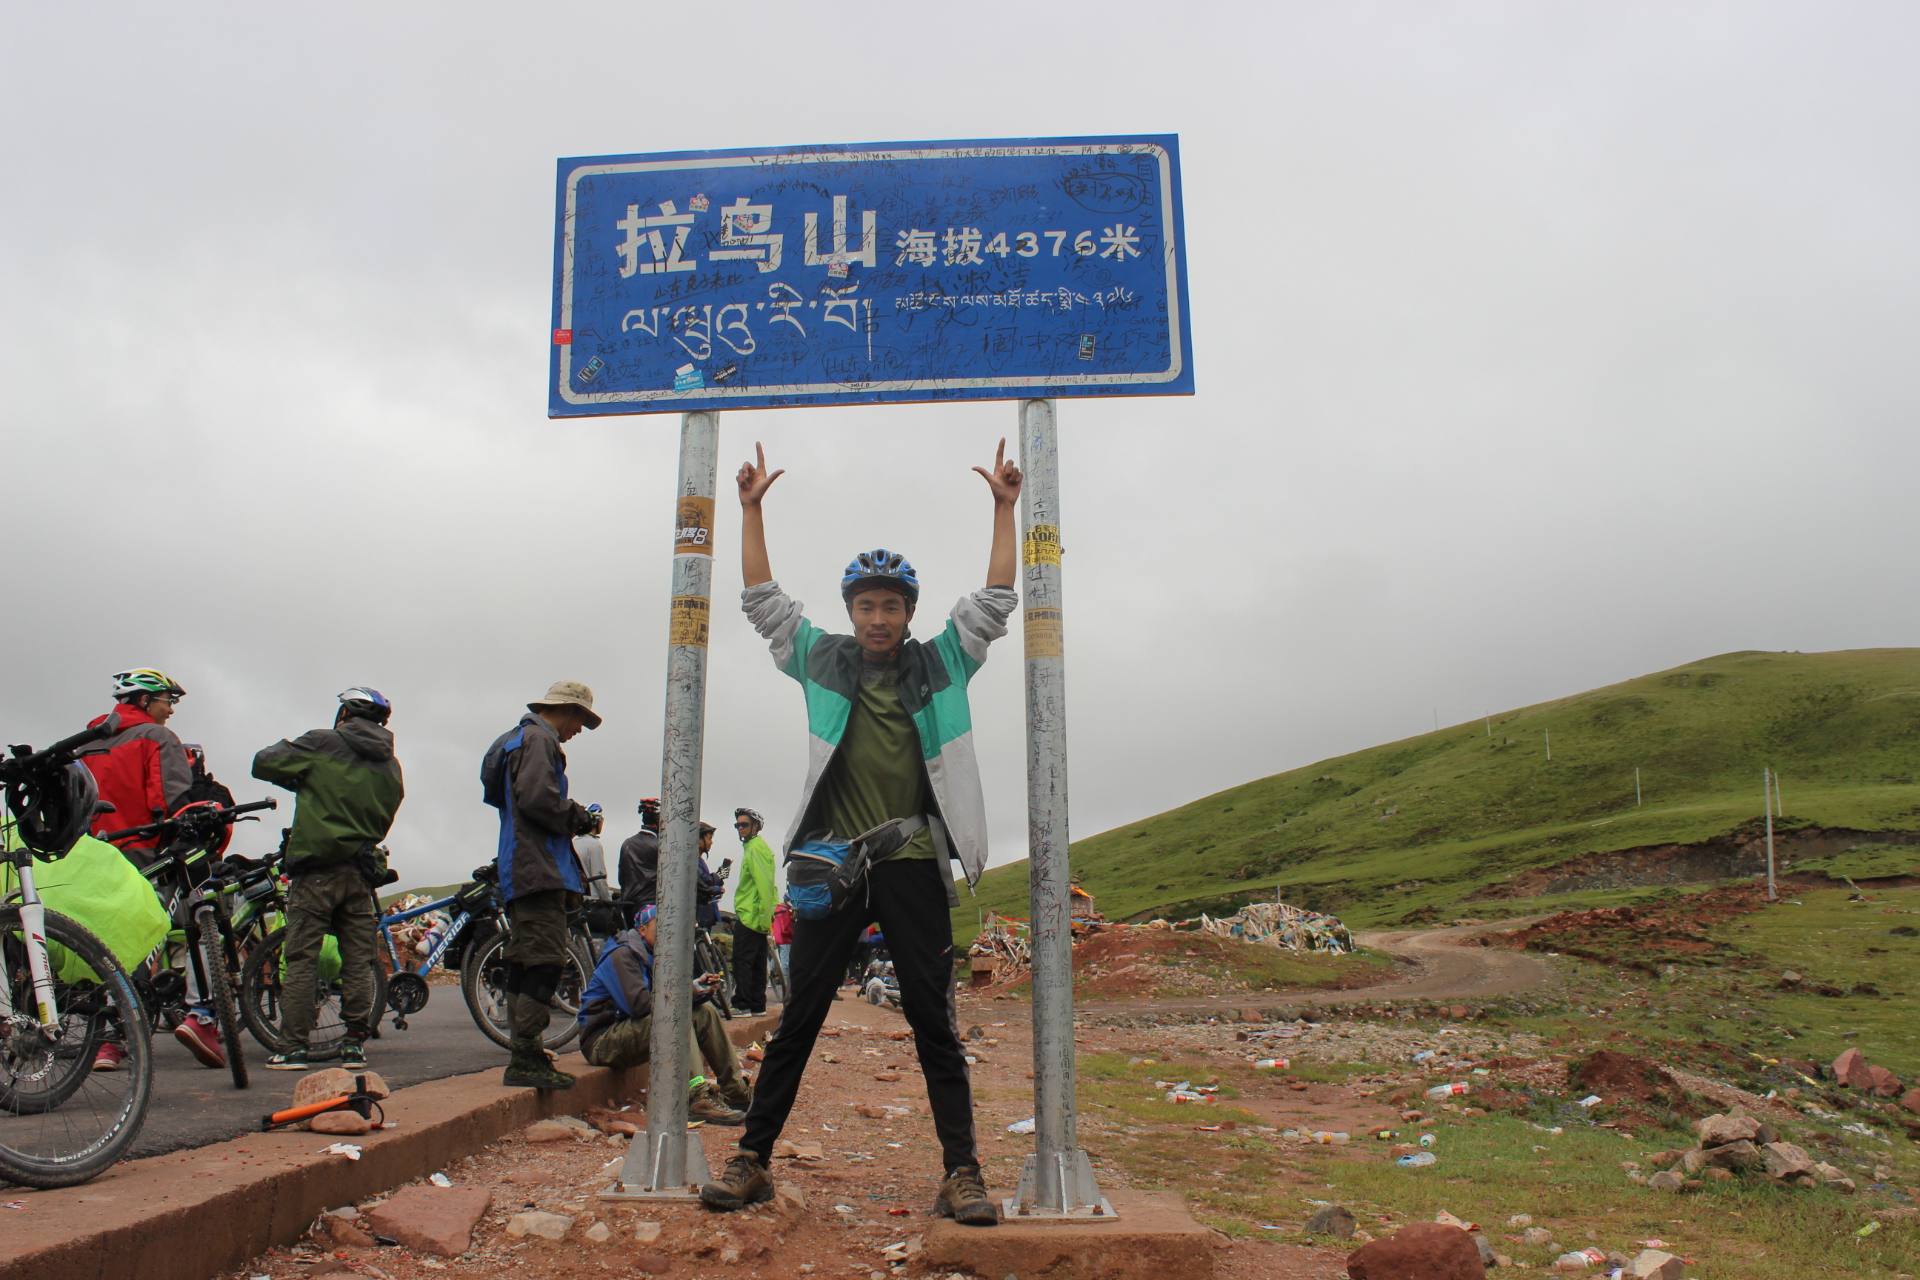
(144, 773)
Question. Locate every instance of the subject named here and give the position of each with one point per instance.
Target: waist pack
(824, 875)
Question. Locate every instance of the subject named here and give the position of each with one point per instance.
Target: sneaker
(109, 1058)
(353, 1055)
(963, 1197)
(714, 1110)
(202, 1038)
(291, 1060)
(745, 1181)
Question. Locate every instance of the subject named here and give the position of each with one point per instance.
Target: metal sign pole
(666, 1162)
(1057, 1180)
(1766, 803)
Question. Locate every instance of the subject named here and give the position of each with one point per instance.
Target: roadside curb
(192, 1214)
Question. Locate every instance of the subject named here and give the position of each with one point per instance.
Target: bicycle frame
(33, 921)
(455, 928)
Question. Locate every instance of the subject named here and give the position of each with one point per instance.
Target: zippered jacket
(933, 689)
(349, 790)
(144, 773)
(753, 900)
(524, 775)
(621, 987)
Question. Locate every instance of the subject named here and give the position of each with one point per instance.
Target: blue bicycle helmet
(367, 704)
(880, 568)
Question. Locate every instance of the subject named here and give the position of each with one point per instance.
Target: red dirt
(1635, 1093)
(1644, 937)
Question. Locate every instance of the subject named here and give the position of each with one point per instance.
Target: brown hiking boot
(963, 1197)
(745, 1181)
(712, 1109)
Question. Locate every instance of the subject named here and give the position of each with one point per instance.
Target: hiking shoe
(531, 1068)
(109, 1058)
(353, 1055)
(713, 1110)
(745, 1181)
(291, 1060)
(740, 1098)
(202, 1038)
(963, 1197)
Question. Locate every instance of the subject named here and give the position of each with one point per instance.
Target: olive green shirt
(877, 773)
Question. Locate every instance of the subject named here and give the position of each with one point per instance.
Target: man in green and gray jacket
(348, 787)
(890, 740)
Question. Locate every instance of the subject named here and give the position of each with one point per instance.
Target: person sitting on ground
(890, 746)
(616, 1023)
(640, 858)
(752, 914)
(524, 776)
(348, 788)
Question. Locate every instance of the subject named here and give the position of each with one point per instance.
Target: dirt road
(1445, 964)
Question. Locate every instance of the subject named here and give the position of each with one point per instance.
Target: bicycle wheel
(707, 959)
(219, 993)
(263, 999)
(776, 975)
(61, 1121)
(483, 984)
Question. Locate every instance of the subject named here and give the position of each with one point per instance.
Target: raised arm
(754, 481)
(1003, 564)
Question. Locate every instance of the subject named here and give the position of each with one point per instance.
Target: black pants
(909, 902)
(749, 969)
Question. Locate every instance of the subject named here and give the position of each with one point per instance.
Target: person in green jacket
(752, 914)
(349, 788)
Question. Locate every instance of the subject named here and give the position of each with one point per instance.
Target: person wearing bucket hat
(524, 776)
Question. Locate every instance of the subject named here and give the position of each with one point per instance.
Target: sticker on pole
(866, 273)
(1043, 633)
(693, 527)
(687, 622)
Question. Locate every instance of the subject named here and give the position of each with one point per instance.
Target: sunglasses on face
(741, 826)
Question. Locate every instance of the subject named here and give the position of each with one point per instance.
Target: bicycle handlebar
(25, 759)
(167, 826)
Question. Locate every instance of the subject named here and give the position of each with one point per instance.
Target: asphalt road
(193, 1105)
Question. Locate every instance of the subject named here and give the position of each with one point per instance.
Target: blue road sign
(1003, 269)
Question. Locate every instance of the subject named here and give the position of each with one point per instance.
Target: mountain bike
(190, 879)
(483, 975)
(62, 994)
(262, 983)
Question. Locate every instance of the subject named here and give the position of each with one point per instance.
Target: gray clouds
(1538, 346)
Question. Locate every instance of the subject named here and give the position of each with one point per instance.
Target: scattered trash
(1426, 1139)
(1446, 1219)
(1270, 1064)
(1021, 1126)
(1418, 1160)
(1869, 1229)
(1326, 1139)
(1591, 1100)
(1441, 1092)
(898, 1212)
(1272, 1226)
(1426, 1055)
(346, 1149)
(1584, 1258)
(1208, 1128)
(1282, 925)
(16, 1204)
(1652, 1242)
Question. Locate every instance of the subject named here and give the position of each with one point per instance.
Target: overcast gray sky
(1538, 346)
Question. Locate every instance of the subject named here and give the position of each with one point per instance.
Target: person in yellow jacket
(752, 914)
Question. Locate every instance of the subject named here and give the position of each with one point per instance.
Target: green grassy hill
(1411, 829)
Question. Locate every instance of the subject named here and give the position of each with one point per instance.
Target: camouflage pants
(328, 900)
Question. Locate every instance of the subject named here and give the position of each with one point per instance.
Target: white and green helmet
(145, 680)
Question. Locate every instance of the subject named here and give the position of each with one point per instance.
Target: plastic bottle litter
(1418, 1160)
(1591, 1100)
(1270, 1064)
(1021, 1126)
(1426, 1139)
(1580, 1259)
(1441, 1092)
(1426, 1054)
(1327, 1139)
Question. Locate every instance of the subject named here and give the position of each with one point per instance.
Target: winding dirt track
(1448, 964)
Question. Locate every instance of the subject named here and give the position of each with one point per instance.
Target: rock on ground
(341, 1123)
(1653, 1264)
(1787, 1163)
(1834, 1178)
(1422, 1251)
(1334, 1220)
(1737, 1156)
(549, 1131)
(318, 1086)
(1668, 1180)
(1850, 1069)
(548, 1226)
(1724, 1130)
(429, 1219)
(1911, 1100)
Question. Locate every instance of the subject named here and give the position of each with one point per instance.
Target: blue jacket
(621, 986)
(524, 776)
